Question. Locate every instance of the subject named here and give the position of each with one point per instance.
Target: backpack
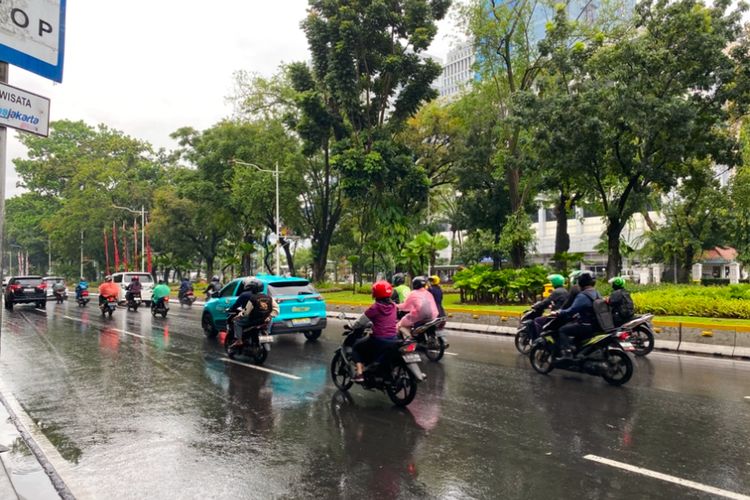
(602, 313)
(258, 309)
(624, 309)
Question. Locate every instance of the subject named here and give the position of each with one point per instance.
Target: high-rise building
(458, 69)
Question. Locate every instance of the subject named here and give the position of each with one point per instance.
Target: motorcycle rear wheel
(340, 373)
(523, 344)
(434, 348)
(642, 340)
(541, 358)
(619, 368)
(164, 314)
(403, 386)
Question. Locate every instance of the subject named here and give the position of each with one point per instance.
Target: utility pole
(49, 255)
(81, 275)
(278, 226)
(143, 239)
(3, 151)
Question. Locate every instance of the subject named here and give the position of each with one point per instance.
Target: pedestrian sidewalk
(22, 475)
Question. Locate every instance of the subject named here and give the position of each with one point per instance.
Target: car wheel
(9, 305)
(313, 334)
(208, 326)
(40, 305)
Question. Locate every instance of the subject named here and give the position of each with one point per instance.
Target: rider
(58, 288)
(581, 313)
(400, 289)
(554, 301)
(133, 289)
(160, 292)
(185, 287)
(108, 289)
(437, 294)
(81, 286)
(419, 306)
(255, 309)
(573, 289)
(213, 287)
(620, 302)
(381, 317)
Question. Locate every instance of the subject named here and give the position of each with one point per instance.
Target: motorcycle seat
(419, 329)
(637, 321)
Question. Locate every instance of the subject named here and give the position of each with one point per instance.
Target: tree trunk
(687, 265)
(209, 267)
(614, 258)
(496, 258)
(289, 257)
(562, 239)
(320, 258)
(247, 256)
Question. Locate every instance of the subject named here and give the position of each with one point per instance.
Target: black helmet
(253, 285)
(586, 278)
(398, 279)
(418, 282)
(161, 282)
(214, 278)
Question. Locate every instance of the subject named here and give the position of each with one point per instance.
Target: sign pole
(3, 152)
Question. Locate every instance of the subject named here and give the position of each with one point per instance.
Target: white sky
(148, 67)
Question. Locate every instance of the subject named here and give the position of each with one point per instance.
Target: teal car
(302, 308)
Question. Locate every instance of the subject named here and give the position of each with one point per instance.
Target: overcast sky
(148, 67)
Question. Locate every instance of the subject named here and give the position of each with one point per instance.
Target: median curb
(685, 340)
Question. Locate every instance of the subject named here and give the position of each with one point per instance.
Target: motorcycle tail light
(623, 335)
(409, 348)
(84, 293)
(43, 286)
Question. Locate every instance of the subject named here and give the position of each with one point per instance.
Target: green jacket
(403, 291)
(160, 291)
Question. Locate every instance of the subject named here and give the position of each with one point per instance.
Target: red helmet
(382, 290)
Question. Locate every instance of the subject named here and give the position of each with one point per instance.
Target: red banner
(135, 244)
(117, 252)
(125, 248)
(106, 251)
(149, 266)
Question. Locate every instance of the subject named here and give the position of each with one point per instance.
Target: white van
(147, 285)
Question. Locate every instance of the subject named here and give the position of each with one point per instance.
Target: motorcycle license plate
(265, 339)
(301, 321)
(412, 358)
(627, 346)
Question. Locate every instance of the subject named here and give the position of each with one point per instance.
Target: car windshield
(291, 288)
(28, 282)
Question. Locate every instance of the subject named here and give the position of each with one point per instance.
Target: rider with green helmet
(620, 302)
(573, 289)
(554, 301)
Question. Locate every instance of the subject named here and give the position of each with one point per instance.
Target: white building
(457, 71)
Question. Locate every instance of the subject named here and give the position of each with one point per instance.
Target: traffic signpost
(32, 37)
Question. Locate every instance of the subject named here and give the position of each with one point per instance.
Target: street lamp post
(10, 259)
(143, 213)
(275, 173)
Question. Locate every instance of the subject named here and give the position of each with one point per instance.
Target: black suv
(25, 290)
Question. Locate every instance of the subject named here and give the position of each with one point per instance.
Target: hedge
(731, 301)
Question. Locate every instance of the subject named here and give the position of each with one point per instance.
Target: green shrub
(694, 300)
(482, 284)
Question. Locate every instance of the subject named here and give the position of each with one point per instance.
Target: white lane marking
(256, 367)
(747, 397)
(450, 353)
(113, 329)
(670, 479)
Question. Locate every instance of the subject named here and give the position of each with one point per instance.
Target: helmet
(82, 278)
(108, 278)
(398, 279)
(382, 290)
(573, 277)
(586, 278)
(418, 282)
(134, 278)
(214, 278)
(161, 282)
(434, 280)
(617, 283)
(556, 280)
(253, 285)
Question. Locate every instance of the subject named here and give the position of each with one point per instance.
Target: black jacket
(556, 299)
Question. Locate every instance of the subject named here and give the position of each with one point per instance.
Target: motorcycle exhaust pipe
(414, 368)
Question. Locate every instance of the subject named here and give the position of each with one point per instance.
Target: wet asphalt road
(148, 408)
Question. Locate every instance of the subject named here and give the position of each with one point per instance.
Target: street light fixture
(143, 213)
(275, 173)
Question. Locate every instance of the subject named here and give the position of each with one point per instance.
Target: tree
(421, 252)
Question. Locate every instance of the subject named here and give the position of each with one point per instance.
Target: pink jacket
(421, 307)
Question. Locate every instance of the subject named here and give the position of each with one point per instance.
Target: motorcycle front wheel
(260, 355)
(541, 358)
(403, 386)
(618, 368)
(340, 373)
(434, 348)
(642, 340)
(523, 344)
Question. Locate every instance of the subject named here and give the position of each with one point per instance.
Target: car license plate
(29, 290)
(627, 346)
(265, 339)
(301, 321)
(412, 358)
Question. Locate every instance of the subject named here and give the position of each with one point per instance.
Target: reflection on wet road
(144, 407)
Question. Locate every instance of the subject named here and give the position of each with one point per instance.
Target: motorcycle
(108, 307)
(601, 355)
(59, 297)
(396, 371)
(640, 334)
(134, 301)
(187, 298)
(430, 338)
(83, 298)
(258, 347)
(160, 307)
(526, 333)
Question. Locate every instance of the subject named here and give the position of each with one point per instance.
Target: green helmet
(556, 280)
(573, 277)
(617, 283)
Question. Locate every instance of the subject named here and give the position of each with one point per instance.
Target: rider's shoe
(358, 378)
